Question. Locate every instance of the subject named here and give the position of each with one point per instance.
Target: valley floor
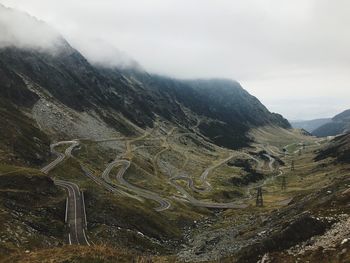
(168, 195)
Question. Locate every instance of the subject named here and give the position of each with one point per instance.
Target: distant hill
(310, 125)
(344, 116)
(339, 124)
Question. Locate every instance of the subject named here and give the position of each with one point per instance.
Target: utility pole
(292, 168)
(259, 197)
(284, 183)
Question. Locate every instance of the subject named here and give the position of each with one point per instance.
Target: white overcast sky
(294, 55)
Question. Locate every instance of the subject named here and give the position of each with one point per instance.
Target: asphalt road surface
(60, 156)
(204, 175)
(107, 184)
(124, 164)
(75, 215)
(200, 203)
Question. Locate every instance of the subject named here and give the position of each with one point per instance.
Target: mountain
(101, 163)
(36, 72)
(142, 167)
(225, 110)
(310, 125)
(339, 124)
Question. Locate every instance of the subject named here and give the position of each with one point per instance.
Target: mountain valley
(108, 164)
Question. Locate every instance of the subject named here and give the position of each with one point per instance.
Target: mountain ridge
(310, 125)
(339, 124)
(106, 164)
(141, 96)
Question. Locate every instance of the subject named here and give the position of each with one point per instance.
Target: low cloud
(100, 53)
(18, 29)
(274, 47)
(21, 30)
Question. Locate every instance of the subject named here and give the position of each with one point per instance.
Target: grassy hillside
(31, 210)
(21, 141)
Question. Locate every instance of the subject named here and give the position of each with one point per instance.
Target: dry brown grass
(84, 254)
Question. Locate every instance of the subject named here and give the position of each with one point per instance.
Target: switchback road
(204, 175)
(107, 183)
(75, 215)
(200, 203)
(60, 156)
(124, 165)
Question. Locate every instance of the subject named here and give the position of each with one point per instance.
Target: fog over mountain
(127, 136)
(279, 50)
(22, 31)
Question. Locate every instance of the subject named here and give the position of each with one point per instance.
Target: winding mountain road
(260, 164)
(205, 183)
(261, 184)
(108, 185)
(166, 147)
(60, 156)
(204, 175)
(238, 204)
(124, 165)
(199, 203)
(75, 215)
(271, 161)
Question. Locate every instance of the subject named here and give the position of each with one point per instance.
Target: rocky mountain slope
(338, 125)
(31, 210)
(21, 140)
(35, 73)
(140, 98)
(168, 169)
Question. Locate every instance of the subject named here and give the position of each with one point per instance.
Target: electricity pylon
(259, 197)
(284, 183)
